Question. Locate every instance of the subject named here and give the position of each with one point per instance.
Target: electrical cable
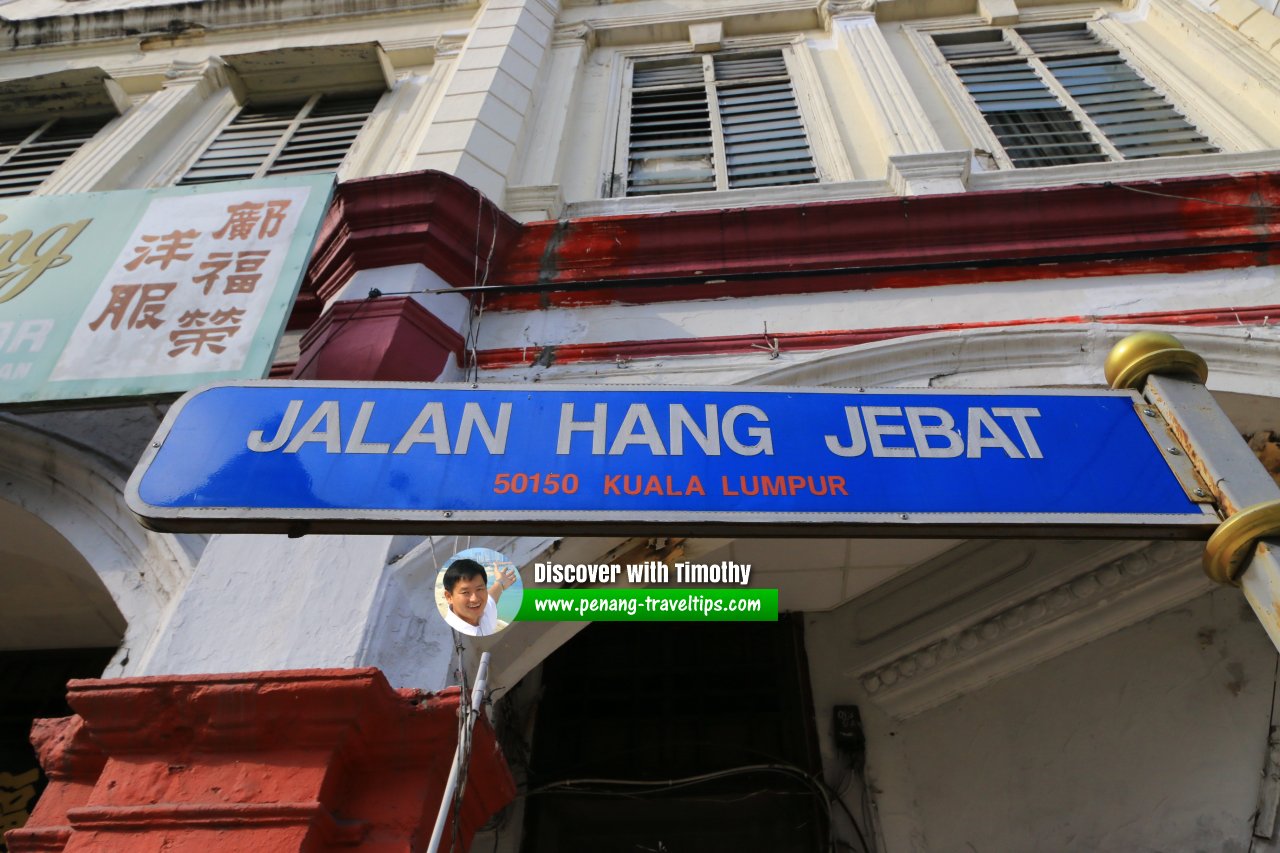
(464, 739)
(480, 280)
(1141, 191)
(827, 794)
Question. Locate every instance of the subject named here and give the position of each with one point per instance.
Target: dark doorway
(725, 707)
(33, 684)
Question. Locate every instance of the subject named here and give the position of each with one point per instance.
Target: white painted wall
(1152, 739)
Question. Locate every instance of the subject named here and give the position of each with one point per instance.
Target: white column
(475, 130)
(107, 161)
(536, 192)
(917, 162)
(1214, 74)
(259, 603)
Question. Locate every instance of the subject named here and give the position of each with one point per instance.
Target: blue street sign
(362, 457)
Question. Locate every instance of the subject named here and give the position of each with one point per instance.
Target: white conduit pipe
(464, 736)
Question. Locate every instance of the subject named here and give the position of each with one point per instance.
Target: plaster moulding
(933, 172)
(1170, 168)
(1242, 360)
(1028, 628)
(845, 8)
(574, 34)
(706, 37)
(216, 16)
(358, 67)
(534, 202)
(738, 19)
(75, 92)
(910, 664)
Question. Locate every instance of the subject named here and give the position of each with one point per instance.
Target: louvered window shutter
(710, 122)
(670, 147)
(29, 155)
(1034, 128)
(1058, 95)
(292, 139)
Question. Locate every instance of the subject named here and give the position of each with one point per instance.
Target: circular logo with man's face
(478, 592)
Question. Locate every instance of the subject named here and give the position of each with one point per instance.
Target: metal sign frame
(1197, 522)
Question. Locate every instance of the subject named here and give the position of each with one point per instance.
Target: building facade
(805, 193)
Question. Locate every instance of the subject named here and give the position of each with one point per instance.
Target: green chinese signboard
(144, 292)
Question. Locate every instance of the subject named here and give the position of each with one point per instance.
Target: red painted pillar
(418, 218)
(311, 760)
(390, 339)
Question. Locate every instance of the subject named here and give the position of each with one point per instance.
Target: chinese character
(195, 335)
(243, 217)
(246, 276)
(227, 317)
(167, 249)
(215, 264)
(196, 339)
(275, 217)
(146, 311)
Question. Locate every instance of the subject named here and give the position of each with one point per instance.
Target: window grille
(715, 122)
(283, 139)
(1059, 95)
(30, 154)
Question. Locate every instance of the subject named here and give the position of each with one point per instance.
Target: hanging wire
(464, 740)
(1142, 191)
(479, 280)
(638, 788)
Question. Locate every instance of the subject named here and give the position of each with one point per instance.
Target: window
(1057, 95)
(294, 138)
(31, 153)
(713, 122)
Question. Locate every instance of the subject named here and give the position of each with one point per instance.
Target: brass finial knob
(1137, 356)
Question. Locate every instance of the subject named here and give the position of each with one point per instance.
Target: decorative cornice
(1044, 625)
(929, 172)
(833, 9)
(449, 45)
(164, 21)
(835, 339)
(1004, 235)
(414, 217)
(672, 24)
(574, 35)
(1245, 360)
(208, 76)
(1008, 235)
(548, 199)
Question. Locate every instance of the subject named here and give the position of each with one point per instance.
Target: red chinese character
(167, 249)
(251, 260)
(215, 264)
(195, 335)
(146, 312)
(193, 318)
(246, 276)
(198, 338)
(240, 223)
(275, 217)
(242, 218)
(227, 316)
